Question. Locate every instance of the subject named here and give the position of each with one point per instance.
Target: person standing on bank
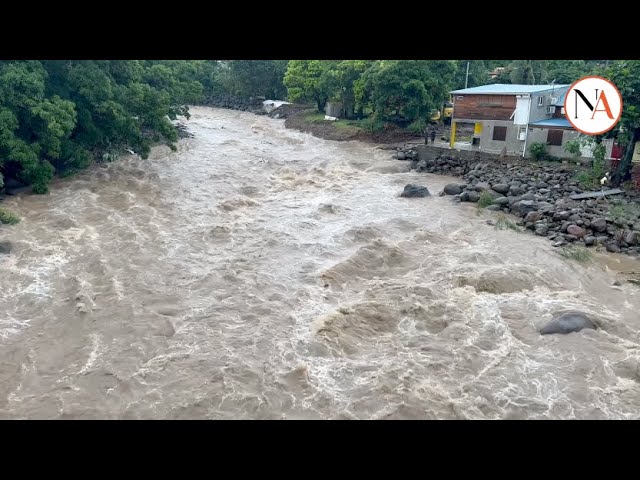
(433, 136)
(426, 135)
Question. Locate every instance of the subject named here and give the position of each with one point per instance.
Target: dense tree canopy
(57, 116)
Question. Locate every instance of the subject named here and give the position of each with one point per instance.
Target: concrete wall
(428, 152)
(539, 112)
(511, 142)
(539, 135)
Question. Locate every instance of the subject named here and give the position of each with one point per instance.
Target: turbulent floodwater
(262, 273)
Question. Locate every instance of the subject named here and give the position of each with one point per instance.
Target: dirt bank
(297, 117)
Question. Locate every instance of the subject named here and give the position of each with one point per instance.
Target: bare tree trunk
(625, 163)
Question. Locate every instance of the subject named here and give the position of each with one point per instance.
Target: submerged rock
(568, 322)
(415, 191)
(5, 248)
(452, 189)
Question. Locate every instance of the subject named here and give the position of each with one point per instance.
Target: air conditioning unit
(551, 109)
(553, 100)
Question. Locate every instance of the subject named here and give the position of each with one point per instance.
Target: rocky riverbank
(539, 194)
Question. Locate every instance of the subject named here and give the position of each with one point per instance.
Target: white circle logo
(593, 105)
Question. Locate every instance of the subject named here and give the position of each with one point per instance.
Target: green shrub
(8, 217)
(573, 147)
(372, 124)
(418, 126)
(538, 151)
(485, 200)
(504, 223)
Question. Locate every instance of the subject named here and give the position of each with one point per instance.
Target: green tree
(254, 78)
(340, 79)
(410, 89)
(528, 72)
(306, 80)
(625, 74)
(478, 74)
(568, 71)
(57, 115)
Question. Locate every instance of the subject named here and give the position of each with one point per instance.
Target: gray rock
(568, 322)
(576, 230)
(474, 196)
(481, 186)
(542, 230)
(613, 247)
(5, 247)
(464, 197)
(598, 225)
(502, 188)
(529, 196)
(570, 238)
(523, 207)
(452, 189)
(415, 191)
(516, 191)
(501, 201)
(532, 217)
(544, 191)
(494, 208)
(590, 240)
(632, 238)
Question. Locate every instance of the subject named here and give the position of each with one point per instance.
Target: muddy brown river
(262, 273)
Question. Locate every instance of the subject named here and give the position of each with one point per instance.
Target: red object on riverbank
(635, 176)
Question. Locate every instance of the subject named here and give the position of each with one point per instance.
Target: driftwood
(580, 196)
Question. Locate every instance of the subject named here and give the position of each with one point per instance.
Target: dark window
(500, 133)
(554, 137)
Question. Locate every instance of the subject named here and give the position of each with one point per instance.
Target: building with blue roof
(508, 118)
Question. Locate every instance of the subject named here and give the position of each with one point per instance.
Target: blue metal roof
(552, 122)
(507, 89)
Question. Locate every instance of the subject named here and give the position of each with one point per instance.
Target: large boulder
(532, 217)
(632, 238)
(613, 247)
(502, 188)
(452, 189)
(523, 207)
(598, 225)
(579, 232)
(568, 322)
(474, 196)
(415, 191)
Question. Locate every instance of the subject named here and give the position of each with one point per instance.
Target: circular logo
(593, 105)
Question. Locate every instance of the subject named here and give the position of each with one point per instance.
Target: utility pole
(466, 81)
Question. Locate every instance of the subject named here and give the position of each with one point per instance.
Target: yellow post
(477, 129)
(452, 140)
